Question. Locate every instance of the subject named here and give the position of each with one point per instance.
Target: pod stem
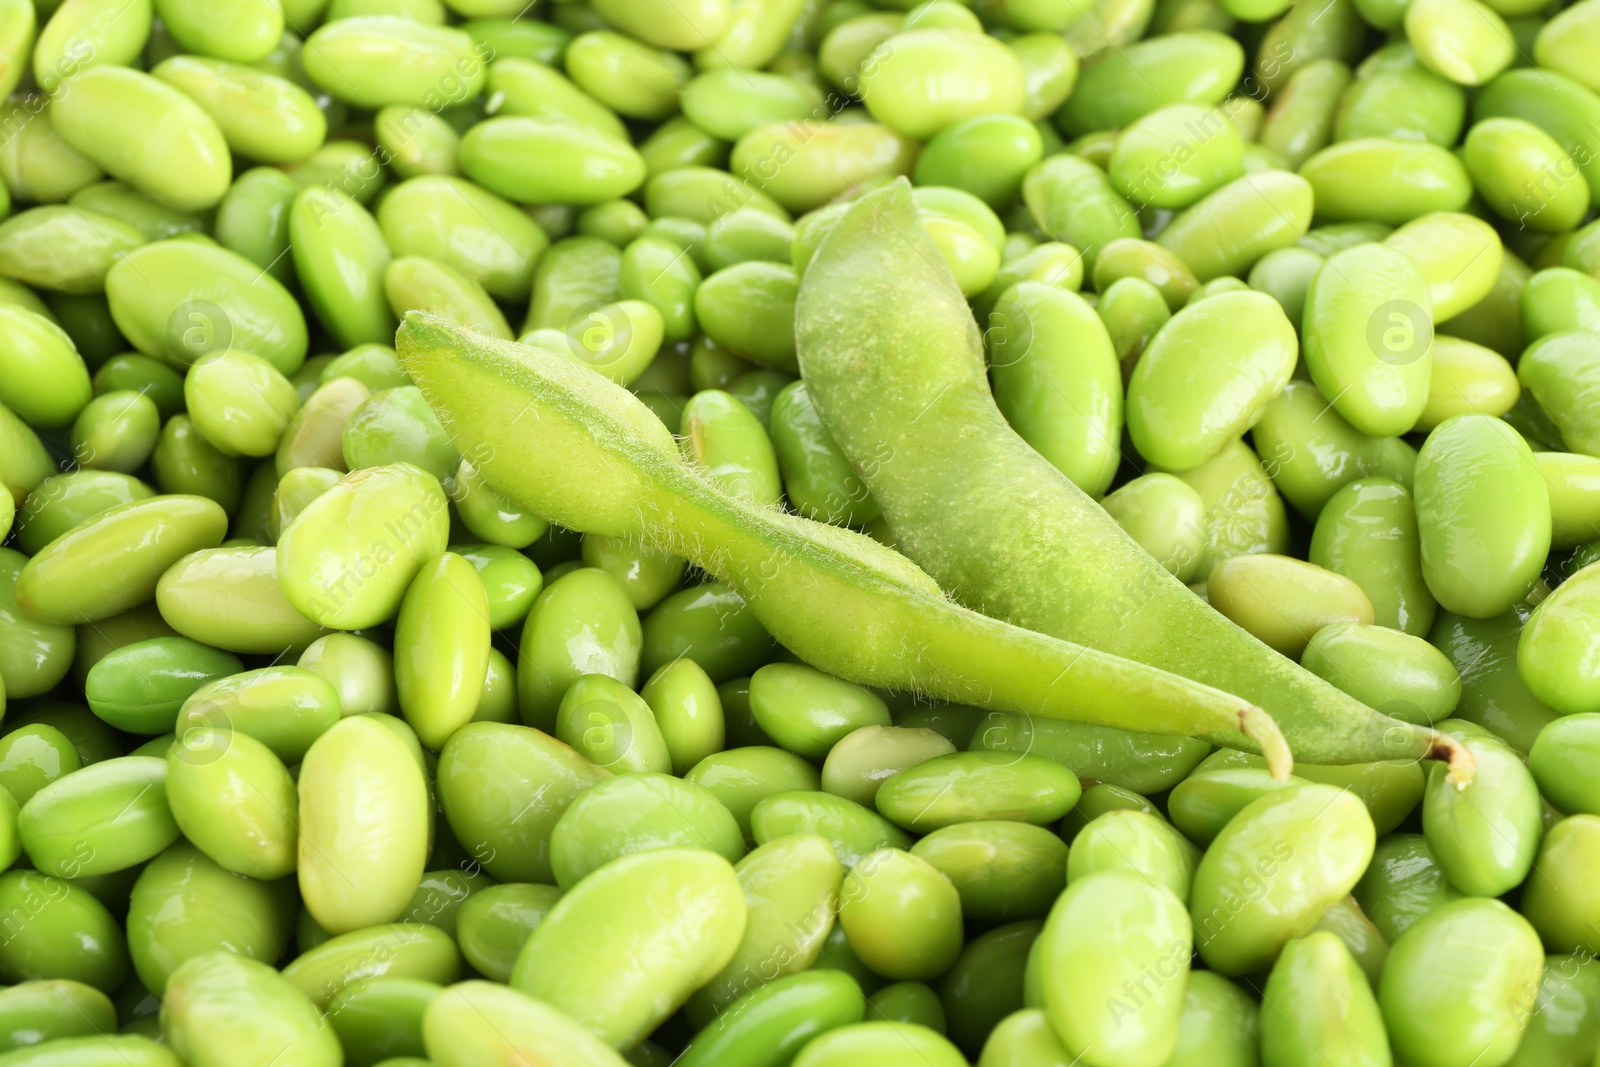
(1262, 728)
(1463, 766)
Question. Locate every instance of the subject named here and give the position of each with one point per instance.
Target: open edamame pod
(836, 598)
(906, 397)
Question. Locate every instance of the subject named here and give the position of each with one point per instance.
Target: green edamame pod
(660, 458)
(1057, 381)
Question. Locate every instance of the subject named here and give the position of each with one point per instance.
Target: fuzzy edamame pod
(892, 387)
(800, 577)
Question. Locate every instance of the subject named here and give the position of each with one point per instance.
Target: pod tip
(1463, 766)
(1262, 728)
